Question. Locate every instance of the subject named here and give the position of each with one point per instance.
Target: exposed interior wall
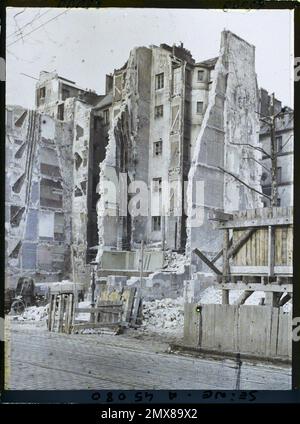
(229, 118)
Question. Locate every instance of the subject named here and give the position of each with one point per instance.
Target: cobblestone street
(39, 360)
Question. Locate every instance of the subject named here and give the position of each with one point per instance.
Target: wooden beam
(219, 216)
(284, 271)
(226, 269)
(207, 261)
(220, 253)
(243, 297)
(271, 298)
(256, 222)
(218, 256)
(283, 288)
(113, 308)
(244, 183)
(284, 299)
(271, 250)
(240, 242)
(127, 272)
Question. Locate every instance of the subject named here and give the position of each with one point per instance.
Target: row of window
(159, 79)
(159, 110)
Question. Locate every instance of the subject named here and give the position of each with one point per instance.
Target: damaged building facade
(175, 120)
(164, 118)
(38, 200)
(49, 183)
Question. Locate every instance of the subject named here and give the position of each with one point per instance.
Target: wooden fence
(257, 331)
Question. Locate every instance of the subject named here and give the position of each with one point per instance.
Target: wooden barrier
(259, 331)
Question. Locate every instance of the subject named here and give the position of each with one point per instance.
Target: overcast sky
(85, 44)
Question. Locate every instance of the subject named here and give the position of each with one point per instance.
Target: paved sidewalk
(40, 360)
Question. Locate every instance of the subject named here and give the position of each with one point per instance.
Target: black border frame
(163, 396)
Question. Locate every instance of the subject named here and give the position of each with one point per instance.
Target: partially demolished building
(177, 121)
(284, 140)
(166, 144)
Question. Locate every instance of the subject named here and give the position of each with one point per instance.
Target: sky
(84, 45)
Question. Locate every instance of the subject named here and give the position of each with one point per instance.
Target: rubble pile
(34, 313)
(174, 260)
(163, 316)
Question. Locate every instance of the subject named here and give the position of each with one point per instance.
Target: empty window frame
(159, 111)
(159, 81)
(157, 148)
(106, 116)
(60, 112)
(199, 107)
(156, 223)
(279, 143)
(200, 75)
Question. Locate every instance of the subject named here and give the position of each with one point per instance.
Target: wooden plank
(127, 272)
(225, 297)
(128, 296)
(272, 345)
(50, 312)
(243, 297)
(219, 216)
(257, 222)
(70, 313)
(93, 325)
(108, 309)
(243, 252)
(207, 261)
(53, 314)
(99, 308)
(284, 231)
(271, 298)
(263, 247)
(257, 248)
(284, 288)
(284, 344)
(277, 245)
(60, 312)
(236, 246)
(249, 270)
